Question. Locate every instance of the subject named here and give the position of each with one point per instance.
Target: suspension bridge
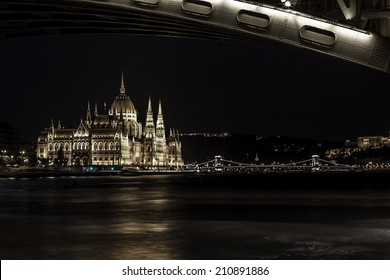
(313, 164)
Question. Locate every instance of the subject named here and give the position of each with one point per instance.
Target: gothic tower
(160, 142)
(150, 136)
(88, 119)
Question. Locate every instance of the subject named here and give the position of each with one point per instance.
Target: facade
(116, 138)
(372, 142)
(361, 144)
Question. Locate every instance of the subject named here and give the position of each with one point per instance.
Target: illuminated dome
(122, 103)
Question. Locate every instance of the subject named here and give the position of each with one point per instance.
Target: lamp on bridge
(286, 3)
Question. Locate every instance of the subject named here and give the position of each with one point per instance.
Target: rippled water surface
(194, 217)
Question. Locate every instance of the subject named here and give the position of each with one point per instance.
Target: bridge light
(286, 3)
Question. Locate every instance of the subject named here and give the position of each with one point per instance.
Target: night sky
(205, 86)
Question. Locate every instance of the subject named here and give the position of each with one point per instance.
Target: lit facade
(116, 138)
(372, 142)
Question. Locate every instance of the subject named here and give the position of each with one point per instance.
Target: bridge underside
(230, 20)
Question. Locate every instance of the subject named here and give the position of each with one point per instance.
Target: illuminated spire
(150, 106)
(122, 90)
(149, 125)
(96, 109)
(52, 126)
(160, 128)
(59, 124)
(159, 108)
(161, 148)
(89, 118)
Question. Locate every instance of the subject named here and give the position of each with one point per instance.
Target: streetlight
(3, 154)
(24, 160)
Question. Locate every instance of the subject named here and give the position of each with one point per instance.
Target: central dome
(122, 103)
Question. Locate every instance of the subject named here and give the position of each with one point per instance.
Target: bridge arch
(232, 20)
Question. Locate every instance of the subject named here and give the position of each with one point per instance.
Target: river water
(195, 217)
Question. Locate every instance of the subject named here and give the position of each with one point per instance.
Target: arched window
(87, 146)
(111, 146)
(106, 146)
(55, 147)
(78, 145)
(95, 146)
(100, 146)
(66, 146)
(117, 146)
(50, 147)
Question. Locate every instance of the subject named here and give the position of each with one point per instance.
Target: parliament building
(115, 138)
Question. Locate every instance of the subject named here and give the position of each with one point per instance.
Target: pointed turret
(159, 108)
(59, 124)
(160, 128)
(89, 117)
(122, 89)
(52, 126)
(149, 125)
(96, 110)
(161, 145)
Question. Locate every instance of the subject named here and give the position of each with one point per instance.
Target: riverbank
(274, 180)
(55, 172)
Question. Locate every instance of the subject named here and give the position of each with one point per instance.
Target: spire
(122, 90)
(160, 128)
(149, 125)
(52, 126)
(161, 148)
(59, 124)
(96, 109)
(150, 106)
(88, 118)
(159, 108)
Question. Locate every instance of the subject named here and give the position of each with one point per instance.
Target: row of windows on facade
(106, 158)
(85, 146)
(95, 158)
(79, 136)
(101, 159)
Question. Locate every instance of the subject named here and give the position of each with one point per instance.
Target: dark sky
(204, 86)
